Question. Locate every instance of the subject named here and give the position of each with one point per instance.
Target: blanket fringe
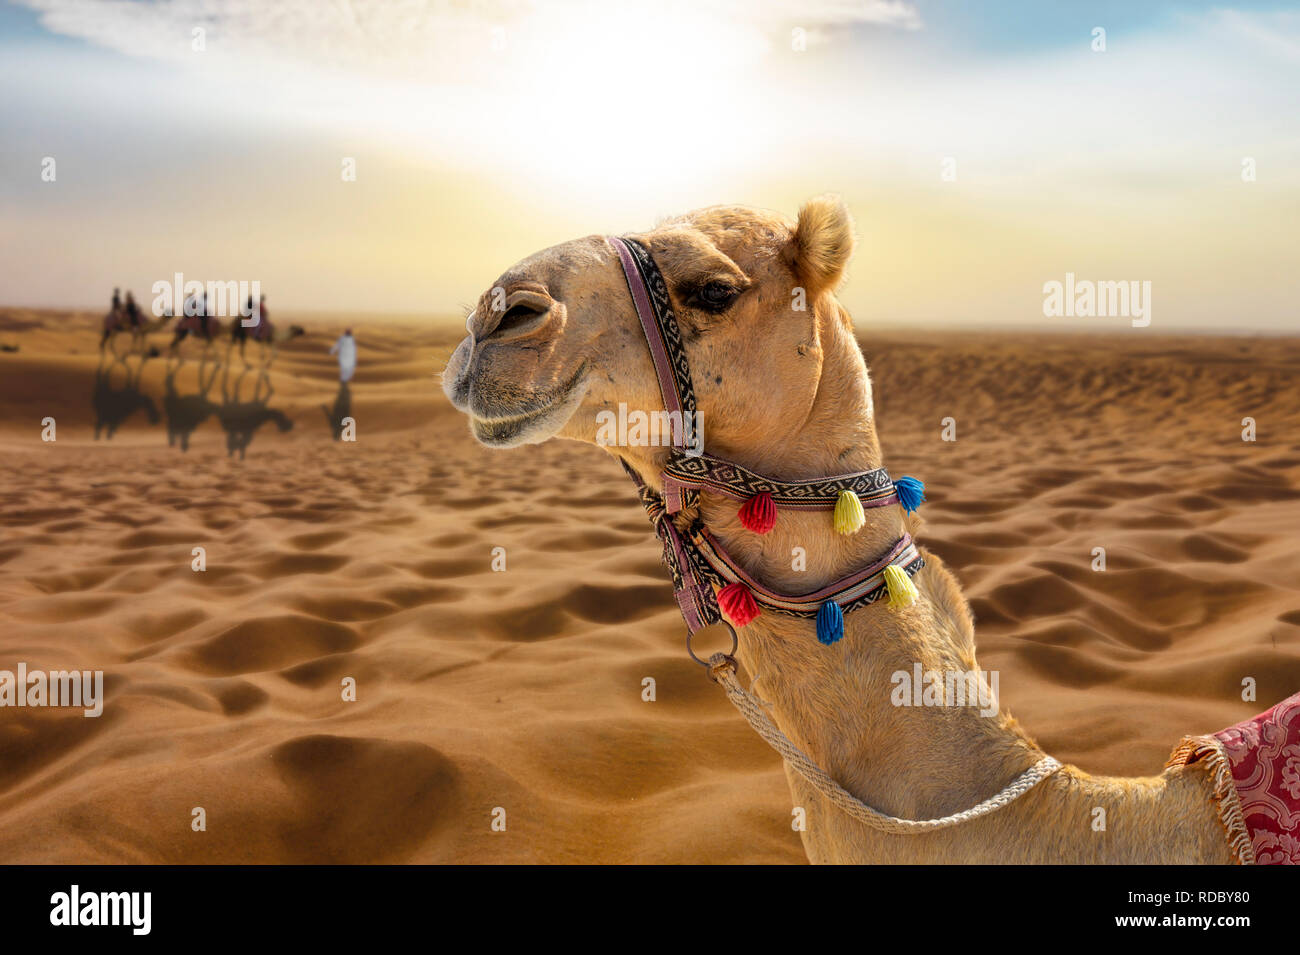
(1208, 750)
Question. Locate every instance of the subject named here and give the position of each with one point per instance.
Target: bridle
(697, 560)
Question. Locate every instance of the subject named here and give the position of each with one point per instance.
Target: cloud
(433, 40)
(1276, 32)
(486, 81)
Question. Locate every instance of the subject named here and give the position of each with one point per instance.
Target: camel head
(556, 340)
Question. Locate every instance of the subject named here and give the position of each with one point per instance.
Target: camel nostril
(524, 311)
(519, 318)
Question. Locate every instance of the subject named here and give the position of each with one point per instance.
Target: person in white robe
(346, 349)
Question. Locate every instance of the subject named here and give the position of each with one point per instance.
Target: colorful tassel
(737, 603)
(902, 592)
(848, 513)
(759, 513)
(830, 623)
(911, 493)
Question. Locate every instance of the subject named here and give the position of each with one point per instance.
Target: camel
(117, 321)
(785, 392)
(264, 332)
(204, 327)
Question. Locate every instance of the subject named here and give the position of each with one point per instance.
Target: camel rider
(195, 308)
(117, 301)
(132, 311)
(346, 349)
(262, 331)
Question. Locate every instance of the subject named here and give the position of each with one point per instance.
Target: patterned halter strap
(708, 584)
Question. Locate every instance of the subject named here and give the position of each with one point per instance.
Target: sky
(985, 149)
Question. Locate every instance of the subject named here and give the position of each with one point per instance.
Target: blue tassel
(830, 623)
(911, 493)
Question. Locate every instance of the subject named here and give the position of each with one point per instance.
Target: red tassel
(759, 513)
(737, 603)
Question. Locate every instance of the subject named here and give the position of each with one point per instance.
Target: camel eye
(715, 296)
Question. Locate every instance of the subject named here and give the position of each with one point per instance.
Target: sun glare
(603, 97)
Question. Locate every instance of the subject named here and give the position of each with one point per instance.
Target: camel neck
(846, 705)
(843, 704)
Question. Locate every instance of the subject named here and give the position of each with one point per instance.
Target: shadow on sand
(241, 419)
(112, 406)
(342, 409)
(187, 412)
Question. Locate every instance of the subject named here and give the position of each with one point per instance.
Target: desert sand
(522, 688)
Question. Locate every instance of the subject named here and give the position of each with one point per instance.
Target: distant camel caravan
(784, 391)
(129, 319)
(207, 329)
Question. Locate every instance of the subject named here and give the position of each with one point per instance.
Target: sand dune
(479, 689)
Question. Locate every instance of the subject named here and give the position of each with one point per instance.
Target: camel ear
(823, 243)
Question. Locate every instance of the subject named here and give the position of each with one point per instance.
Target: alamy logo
(75, 907)
(220, 299)
(946, 688)
(1088, 299)
(634, 429)
(83, 688)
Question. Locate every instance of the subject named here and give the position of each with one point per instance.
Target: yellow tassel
(902, 592)
(848, 513)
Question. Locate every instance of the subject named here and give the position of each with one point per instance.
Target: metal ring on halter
(735, 643)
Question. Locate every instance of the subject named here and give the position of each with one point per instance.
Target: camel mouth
(537, 419)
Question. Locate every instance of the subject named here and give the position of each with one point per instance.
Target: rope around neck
(722, 669)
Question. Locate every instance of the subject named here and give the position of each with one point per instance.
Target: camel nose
(455, 377)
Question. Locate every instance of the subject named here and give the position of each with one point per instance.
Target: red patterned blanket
(1256, 769)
